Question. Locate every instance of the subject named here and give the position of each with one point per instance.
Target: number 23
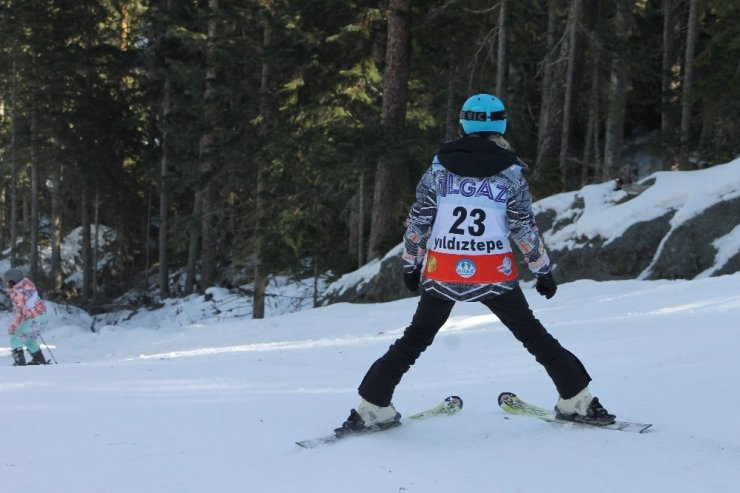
(478, 216)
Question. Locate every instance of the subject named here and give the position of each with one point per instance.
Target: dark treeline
(285, 136)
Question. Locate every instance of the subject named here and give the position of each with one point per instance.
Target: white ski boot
(369, 417)
(585, 408)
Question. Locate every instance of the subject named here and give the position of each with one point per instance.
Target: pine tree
(386, 210)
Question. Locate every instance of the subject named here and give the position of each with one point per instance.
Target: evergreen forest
(264, 137)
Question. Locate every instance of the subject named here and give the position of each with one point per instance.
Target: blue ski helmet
(483, 113)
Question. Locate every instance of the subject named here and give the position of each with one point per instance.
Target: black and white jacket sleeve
(419, 221)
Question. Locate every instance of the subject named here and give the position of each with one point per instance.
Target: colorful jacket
(471, 204)
(26, 303)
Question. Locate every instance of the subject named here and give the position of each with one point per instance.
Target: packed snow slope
(161, 405)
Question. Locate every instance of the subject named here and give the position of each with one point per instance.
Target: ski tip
(505, 397)
(317, 442)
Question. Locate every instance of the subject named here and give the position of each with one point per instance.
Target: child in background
(30, 318)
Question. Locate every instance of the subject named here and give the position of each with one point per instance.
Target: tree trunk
(361, 222)
(688, 76)
(13, 172)
(25, 209)
(87, 265)
(34, 199)
(355, 237)
(385, 221)
(569, 89)
(146, 226)
(592, 127)
(316, 274)
(56, 224)
(208, 247)
(617, 93)
(260, 276)
(501, 56)
(544, 133)
(667, 79)
(195, 232)
(3, 219)
(452, 113)
(207, 153)
(164, 224)
(96, 244)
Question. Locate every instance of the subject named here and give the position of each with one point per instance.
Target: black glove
(411, 279)
(546, 285)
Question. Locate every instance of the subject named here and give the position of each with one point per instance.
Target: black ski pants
(565, 369)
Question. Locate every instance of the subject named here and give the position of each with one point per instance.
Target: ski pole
(47, 348)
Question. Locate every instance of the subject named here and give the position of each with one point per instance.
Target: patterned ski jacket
(26, 303)
(471, 204)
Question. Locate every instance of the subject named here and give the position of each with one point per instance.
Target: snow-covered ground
(173, 402)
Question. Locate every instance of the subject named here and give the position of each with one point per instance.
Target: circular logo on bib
(506, 267)
(432, 263)
(465, 268)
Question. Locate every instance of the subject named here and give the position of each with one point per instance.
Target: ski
(512, 404)
(450, 405)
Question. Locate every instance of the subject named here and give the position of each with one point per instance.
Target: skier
(30, 318)
(469, 203)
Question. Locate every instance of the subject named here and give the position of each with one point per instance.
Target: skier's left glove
(412, 278)
(546, 285)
